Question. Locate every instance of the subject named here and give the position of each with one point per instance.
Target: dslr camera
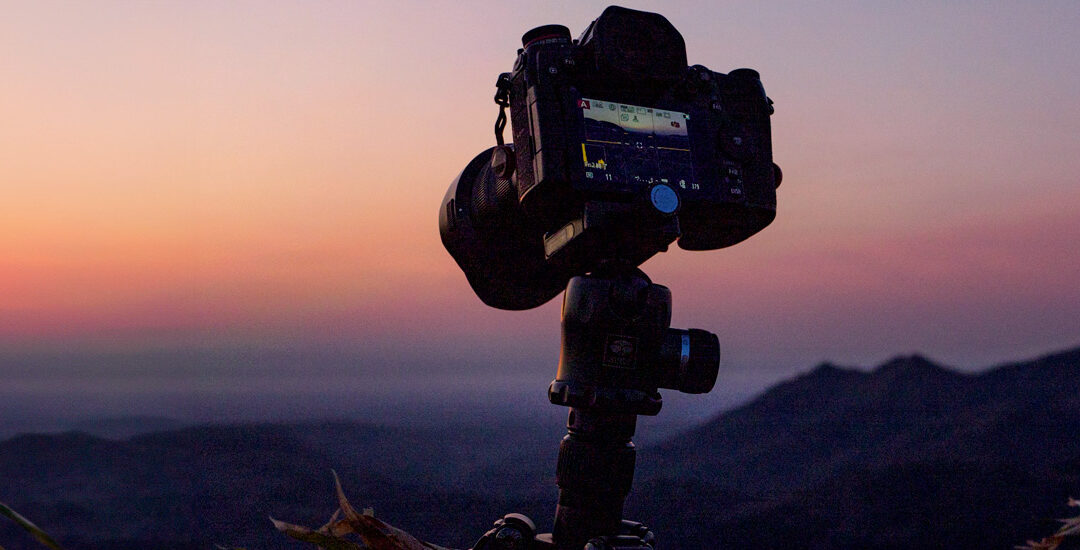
(619, 149)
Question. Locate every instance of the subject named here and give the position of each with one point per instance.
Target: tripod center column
(594, 473)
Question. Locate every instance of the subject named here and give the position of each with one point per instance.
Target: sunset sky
(205, 180)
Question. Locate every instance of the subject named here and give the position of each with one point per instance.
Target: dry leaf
(326, 541)
(1071, 526)
(1049, 543)
(374, 534)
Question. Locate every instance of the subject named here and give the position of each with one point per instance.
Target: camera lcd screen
(635, 146)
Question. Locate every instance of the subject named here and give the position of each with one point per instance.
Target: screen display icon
(634, 145)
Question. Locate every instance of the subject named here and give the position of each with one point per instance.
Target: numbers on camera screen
(635, 145)
(606, 177)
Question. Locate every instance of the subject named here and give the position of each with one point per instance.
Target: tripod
(617, 350)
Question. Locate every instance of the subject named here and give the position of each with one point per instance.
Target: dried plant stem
(29, 526)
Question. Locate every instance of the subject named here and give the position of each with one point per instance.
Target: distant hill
(120, 427)
(907, 455)
(891, 458)
(206, 485)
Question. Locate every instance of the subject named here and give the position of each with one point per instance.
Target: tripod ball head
(618, 348)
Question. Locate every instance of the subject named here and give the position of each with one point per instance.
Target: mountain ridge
(836, 457)
(822, 444)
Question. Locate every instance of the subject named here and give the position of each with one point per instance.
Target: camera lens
(690, 360)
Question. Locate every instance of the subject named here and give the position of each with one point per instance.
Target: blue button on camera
(664, 198)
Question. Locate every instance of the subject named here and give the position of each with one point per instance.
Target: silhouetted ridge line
(34, 439)
(892, 457)
(1059, 359)
(910, 364)
(1071, 356)
(828, 369)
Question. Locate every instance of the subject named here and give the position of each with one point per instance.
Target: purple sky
(182, 179)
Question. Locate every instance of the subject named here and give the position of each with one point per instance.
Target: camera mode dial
(555, 33)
